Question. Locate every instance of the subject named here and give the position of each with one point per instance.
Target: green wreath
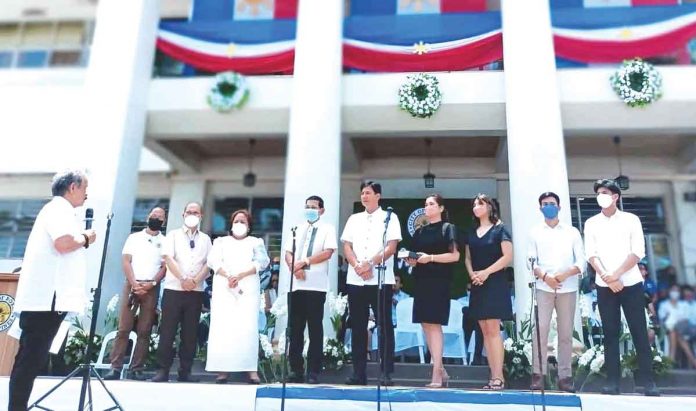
(420, 95)
(637, 83)
(230, 91)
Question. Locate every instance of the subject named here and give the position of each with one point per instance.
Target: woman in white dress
(236, 259)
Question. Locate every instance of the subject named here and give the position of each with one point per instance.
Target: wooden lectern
(8, 345)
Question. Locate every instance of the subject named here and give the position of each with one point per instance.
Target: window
(142, 209)
(6, 58)
(16, 220)
(60, 58)
(267, 214)
(32, 58)
(649, 209)
(45, 44)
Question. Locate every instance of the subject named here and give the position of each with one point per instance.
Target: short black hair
(609, 184)
(317, 199)
(549, 194)
(375, 186)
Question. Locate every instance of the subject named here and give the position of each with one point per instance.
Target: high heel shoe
(443, 384)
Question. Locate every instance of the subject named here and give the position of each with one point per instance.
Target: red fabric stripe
(273, 63)
(285, 9)
(472, 55)
(455, 6)
(587, 51)
(653, 2)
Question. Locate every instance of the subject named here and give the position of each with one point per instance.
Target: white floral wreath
(229, 91)
(420, 95)
(637, 83)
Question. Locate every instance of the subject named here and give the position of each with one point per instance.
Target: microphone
(390, 210)
(531, 261)
(89, 217)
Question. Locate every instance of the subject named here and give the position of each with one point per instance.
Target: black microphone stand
(288, 327)
(86, 369)
(532, 285)
(381, 346)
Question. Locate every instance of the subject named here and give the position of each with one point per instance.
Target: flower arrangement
(660, 364)
(230, 91)
(637, 83)
(518, 353)
(75, 348)
(420, 95)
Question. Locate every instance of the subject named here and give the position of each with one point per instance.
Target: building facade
(121, 89)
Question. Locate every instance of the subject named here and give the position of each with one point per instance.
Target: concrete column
(183, 192)
(536, 152)
(112, 125)
(314, 139)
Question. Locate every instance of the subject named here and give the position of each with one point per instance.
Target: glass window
(16, 221)
(142, 209)
(70, 34)
(37, 35)
(32, 58)
(267, 214)
(66, 58)
(6, 58)
(224, 208)
(9, 35)
(649, 209)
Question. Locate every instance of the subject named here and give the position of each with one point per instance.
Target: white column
(183, 192)
(536, 152)
(113, 124)
(314, 139)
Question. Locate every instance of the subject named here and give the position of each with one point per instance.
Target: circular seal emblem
(416, 220)
(6, 311)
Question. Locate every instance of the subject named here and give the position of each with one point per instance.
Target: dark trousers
(129, 304)
(360, 300)
(307, 310)
(633, 303)
(179, 307)
(38, 330)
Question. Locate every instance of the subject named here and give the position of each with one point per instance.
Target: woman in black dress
(436, 245)
(488, 252)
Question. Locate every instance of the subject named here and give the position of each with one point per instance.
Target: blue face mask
(550, 211)
(311, 214)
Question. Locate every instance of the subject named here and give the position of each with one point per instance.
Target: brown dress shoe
(537, 381)
(566, 384)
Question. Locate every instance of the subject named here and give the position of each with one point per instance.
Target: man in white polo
(363, 249)
(143, 269)
(52, 281)
(316, 243)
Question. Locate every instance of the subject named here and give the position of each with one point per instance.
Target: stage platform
(145, 396)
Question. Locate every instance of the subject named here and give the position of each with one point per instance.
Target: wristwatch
(154, 283)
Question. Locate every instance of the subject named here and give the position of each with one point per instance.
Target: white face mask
(604, 200)
(192, 221)
(239, 229)
(674, 295)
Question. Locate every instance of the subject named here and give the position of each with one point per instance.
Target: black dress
(492, 299)
(431, 299)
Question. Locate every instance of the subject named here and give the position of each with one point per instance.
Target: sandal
(496, 384)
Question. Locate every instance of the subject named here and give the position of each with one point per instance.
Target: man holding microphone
(52, 280)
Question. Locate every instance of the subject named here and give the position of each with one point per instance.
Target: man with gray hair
(52, 280)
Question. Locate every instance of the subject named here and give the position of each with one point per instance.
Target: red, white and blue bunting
(431, 42)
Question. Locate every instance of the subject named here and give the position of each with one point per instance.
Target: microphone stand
(532, 285)
(288, 327)
(86, 368)
(381, 346)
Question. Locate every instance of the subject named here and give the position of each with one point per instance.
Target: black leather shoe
(161, 376)
(353, 380)
(387, 381)
(187, 378)
(651, 390)
(611, 390)
(112, 375)
(137, 375)
(312, 378)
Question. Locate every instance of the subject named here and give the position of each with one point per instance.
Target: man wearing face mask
(559, 257)
(614, 244)
(315, 245)
(144, 269)
(185, 252)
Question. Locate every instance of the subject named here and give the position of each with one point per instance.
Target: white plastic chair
(407, 334)
(455, 347)
(262, 321)
(101, 365)
(471, 350)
